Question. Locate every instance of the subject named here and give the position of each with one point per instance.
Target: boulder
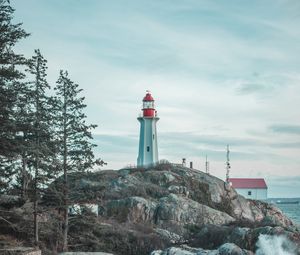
(212, 236)
(173, 238)
(181, 190)
(232, 249)
(132, 209)
(177, 210)
(225, 249)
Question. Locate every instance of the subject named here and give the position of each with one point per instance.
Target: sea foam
(275, 245)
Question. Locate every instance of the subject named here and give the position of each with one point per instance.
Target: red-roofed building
(253, 188)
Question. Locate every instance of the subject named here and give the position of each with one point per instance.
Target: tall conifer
(10, 78)
(41, 153)
(74, 139)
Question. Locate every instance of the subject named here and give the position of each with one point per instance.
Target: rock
(157, 252)
(176, 210)
(133, 209)
(155, 184)
(169, 177)
(20, 251)
(169, 211)
(170, 236)
(225, 249)
(177, 251)
(243, 211)
(232, 249)
(182, 190)
(212, 236)
(269, 214)
(85, 253)
(171, 205)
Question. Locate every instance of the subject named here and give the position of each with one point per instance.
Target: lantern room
(148, 106)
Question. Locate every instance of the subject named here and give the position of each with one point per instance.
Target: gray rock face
(170, 236)
(183, 250)
(225, 249)
(133, 209)
(178, 190)
(173, 205)
(85, 253)
(178, 210)
(172, 212)
(195, 191)
(211, 236)
(231, 249)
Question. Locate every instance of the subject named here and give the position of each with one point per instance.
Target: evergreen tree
(73, 136)
(33, 118)
(10, 78)
(41, 153)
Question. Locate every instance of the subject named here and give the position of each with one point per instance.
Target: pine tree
(39, 138)
(10, 78)
(73, 136)
(33, 119)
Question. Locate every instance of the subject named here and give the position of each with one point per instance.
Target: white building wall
(262, 194)
(256, 194)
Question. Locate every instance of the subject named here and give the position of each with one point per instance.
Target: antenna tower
(227, 164)
(206, 166)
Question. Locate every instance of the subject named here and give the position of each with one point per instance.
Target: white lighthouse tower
(148, 152)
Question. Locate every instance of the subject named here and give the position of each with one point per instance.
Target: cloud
(248, 88)
(285, 180)
(286, 129)
(283, 186)
(291, 145)
(110, 143)
(182, 144)
(222, 73)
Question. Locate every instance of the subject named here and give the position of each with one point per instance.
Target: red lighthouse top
(148, 97)
(148, 106)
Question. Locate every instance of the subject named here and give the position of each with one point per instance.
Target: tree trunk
(24, 178)
(36, 225)
(66, 209)
(24, 171)
(65, 188)
(65, 228)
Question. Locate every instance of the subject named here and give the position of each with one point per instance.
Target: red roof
(250, 183)
(148, 97)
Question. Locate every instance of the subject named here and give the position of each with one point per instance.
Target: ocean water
(290, 210)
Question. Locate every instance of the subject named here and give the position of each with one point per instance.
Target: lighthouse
(148, 152)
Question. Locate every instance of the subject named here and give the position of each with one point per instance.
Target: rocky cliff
(176, 205)
(168, 209)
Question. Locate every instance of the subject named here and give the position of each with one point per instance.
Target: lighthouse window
(249, 193)
(148, 104)
(148, 148)
(153, 136)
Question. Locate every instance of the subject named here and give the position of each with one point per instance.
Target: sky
(221, 72)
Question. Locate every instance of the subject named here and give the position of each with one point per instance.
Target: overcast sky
(220, 72)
